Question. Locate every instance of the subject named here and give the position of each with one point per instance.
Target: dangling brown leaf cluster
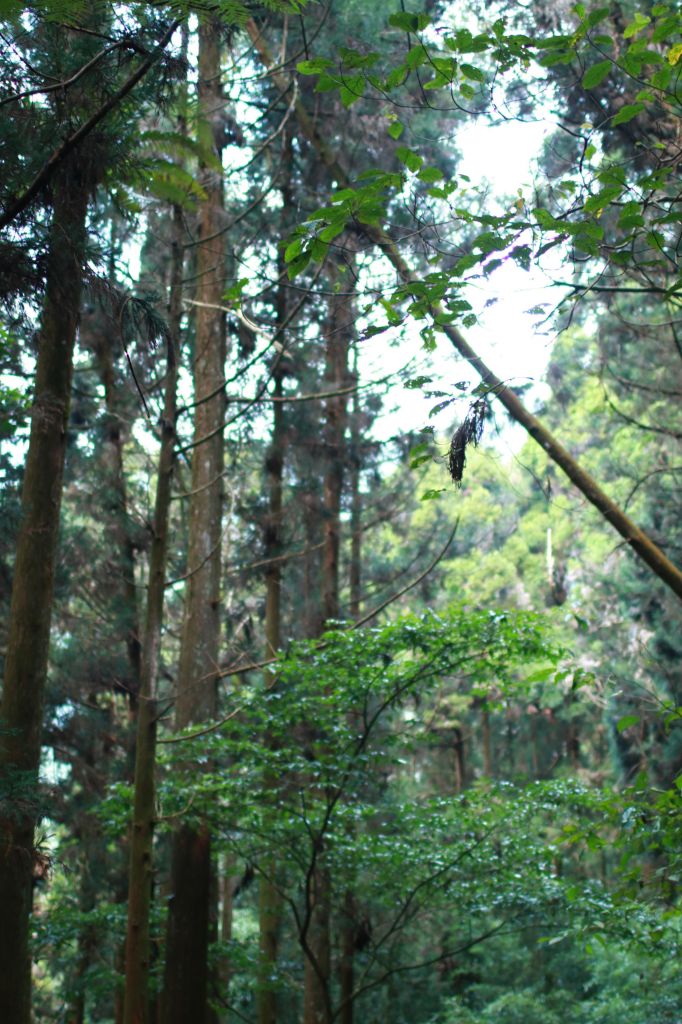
(468, 432)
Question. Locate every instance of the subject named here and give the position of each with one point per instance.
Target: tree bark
(269, 901)
(136, 1009)
(186, 979)
(486, 742)
(228, 880)
(317, 946)
(355, 498)
(349, 913)
(460, 764)
(31, 606)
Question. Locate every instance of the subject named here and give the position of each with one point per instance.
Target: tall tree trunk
(349, 914)
(269, 902)
(355, 497)
(136, 1009)
(89, 843)
(228, 881)
(31, 606)
(487, 744)
(189, 920)
(317, 966)
(458, 750)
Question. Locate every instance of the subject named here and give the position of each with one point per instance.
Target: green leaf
(627, 113)
(594, 17)
(432, 494)
(396, 129)
(430, 174)
(639, 22)
(354, 59)
(236, 290)
(351, 90)
(314, 67)
(626, 722)
(488, 241)
(552, 59)
(661, 77)
(475, 74)
(596, 74)
(318, 250)
(408, 21)
(298, 265)
(332, 230)
(326, 83)
(396, 77)
(409, 158)
(416, 57)
(293, 250)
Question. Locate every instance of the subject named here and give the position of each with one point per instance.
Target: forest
(341, 664)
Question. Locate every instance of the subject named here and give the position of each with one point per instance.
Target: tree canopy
(316, 707)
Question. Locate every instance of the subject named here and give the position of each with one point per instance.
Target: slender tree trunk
(458, 747)
(573, 745)
(355, 498)
(487, 745)
(90, 851)
(31, 606)
(509, 735)
(269, 902)
(339, 328)
(136, 1009)
(534, 765)
(347, 961)
(317, 966)
(189, 919)
(349, 914)
(228, 881)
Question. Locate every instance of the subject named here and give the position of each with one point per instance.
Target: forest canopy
(328, 695)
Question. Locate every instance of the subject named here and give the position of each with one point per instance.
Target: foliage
(495, 783)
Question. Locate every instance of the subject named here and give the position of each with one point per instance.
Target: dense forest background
(326, 698)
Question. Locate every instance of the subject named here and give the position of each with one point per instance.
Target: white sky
(515, 343)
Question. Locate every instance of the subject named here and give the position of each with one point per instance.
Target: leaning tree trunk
(189, 920)
(633, 535)
(31, 607)
(136, 1007)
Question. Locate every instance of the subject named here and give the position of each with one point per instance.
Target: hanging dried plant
(468, 432)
